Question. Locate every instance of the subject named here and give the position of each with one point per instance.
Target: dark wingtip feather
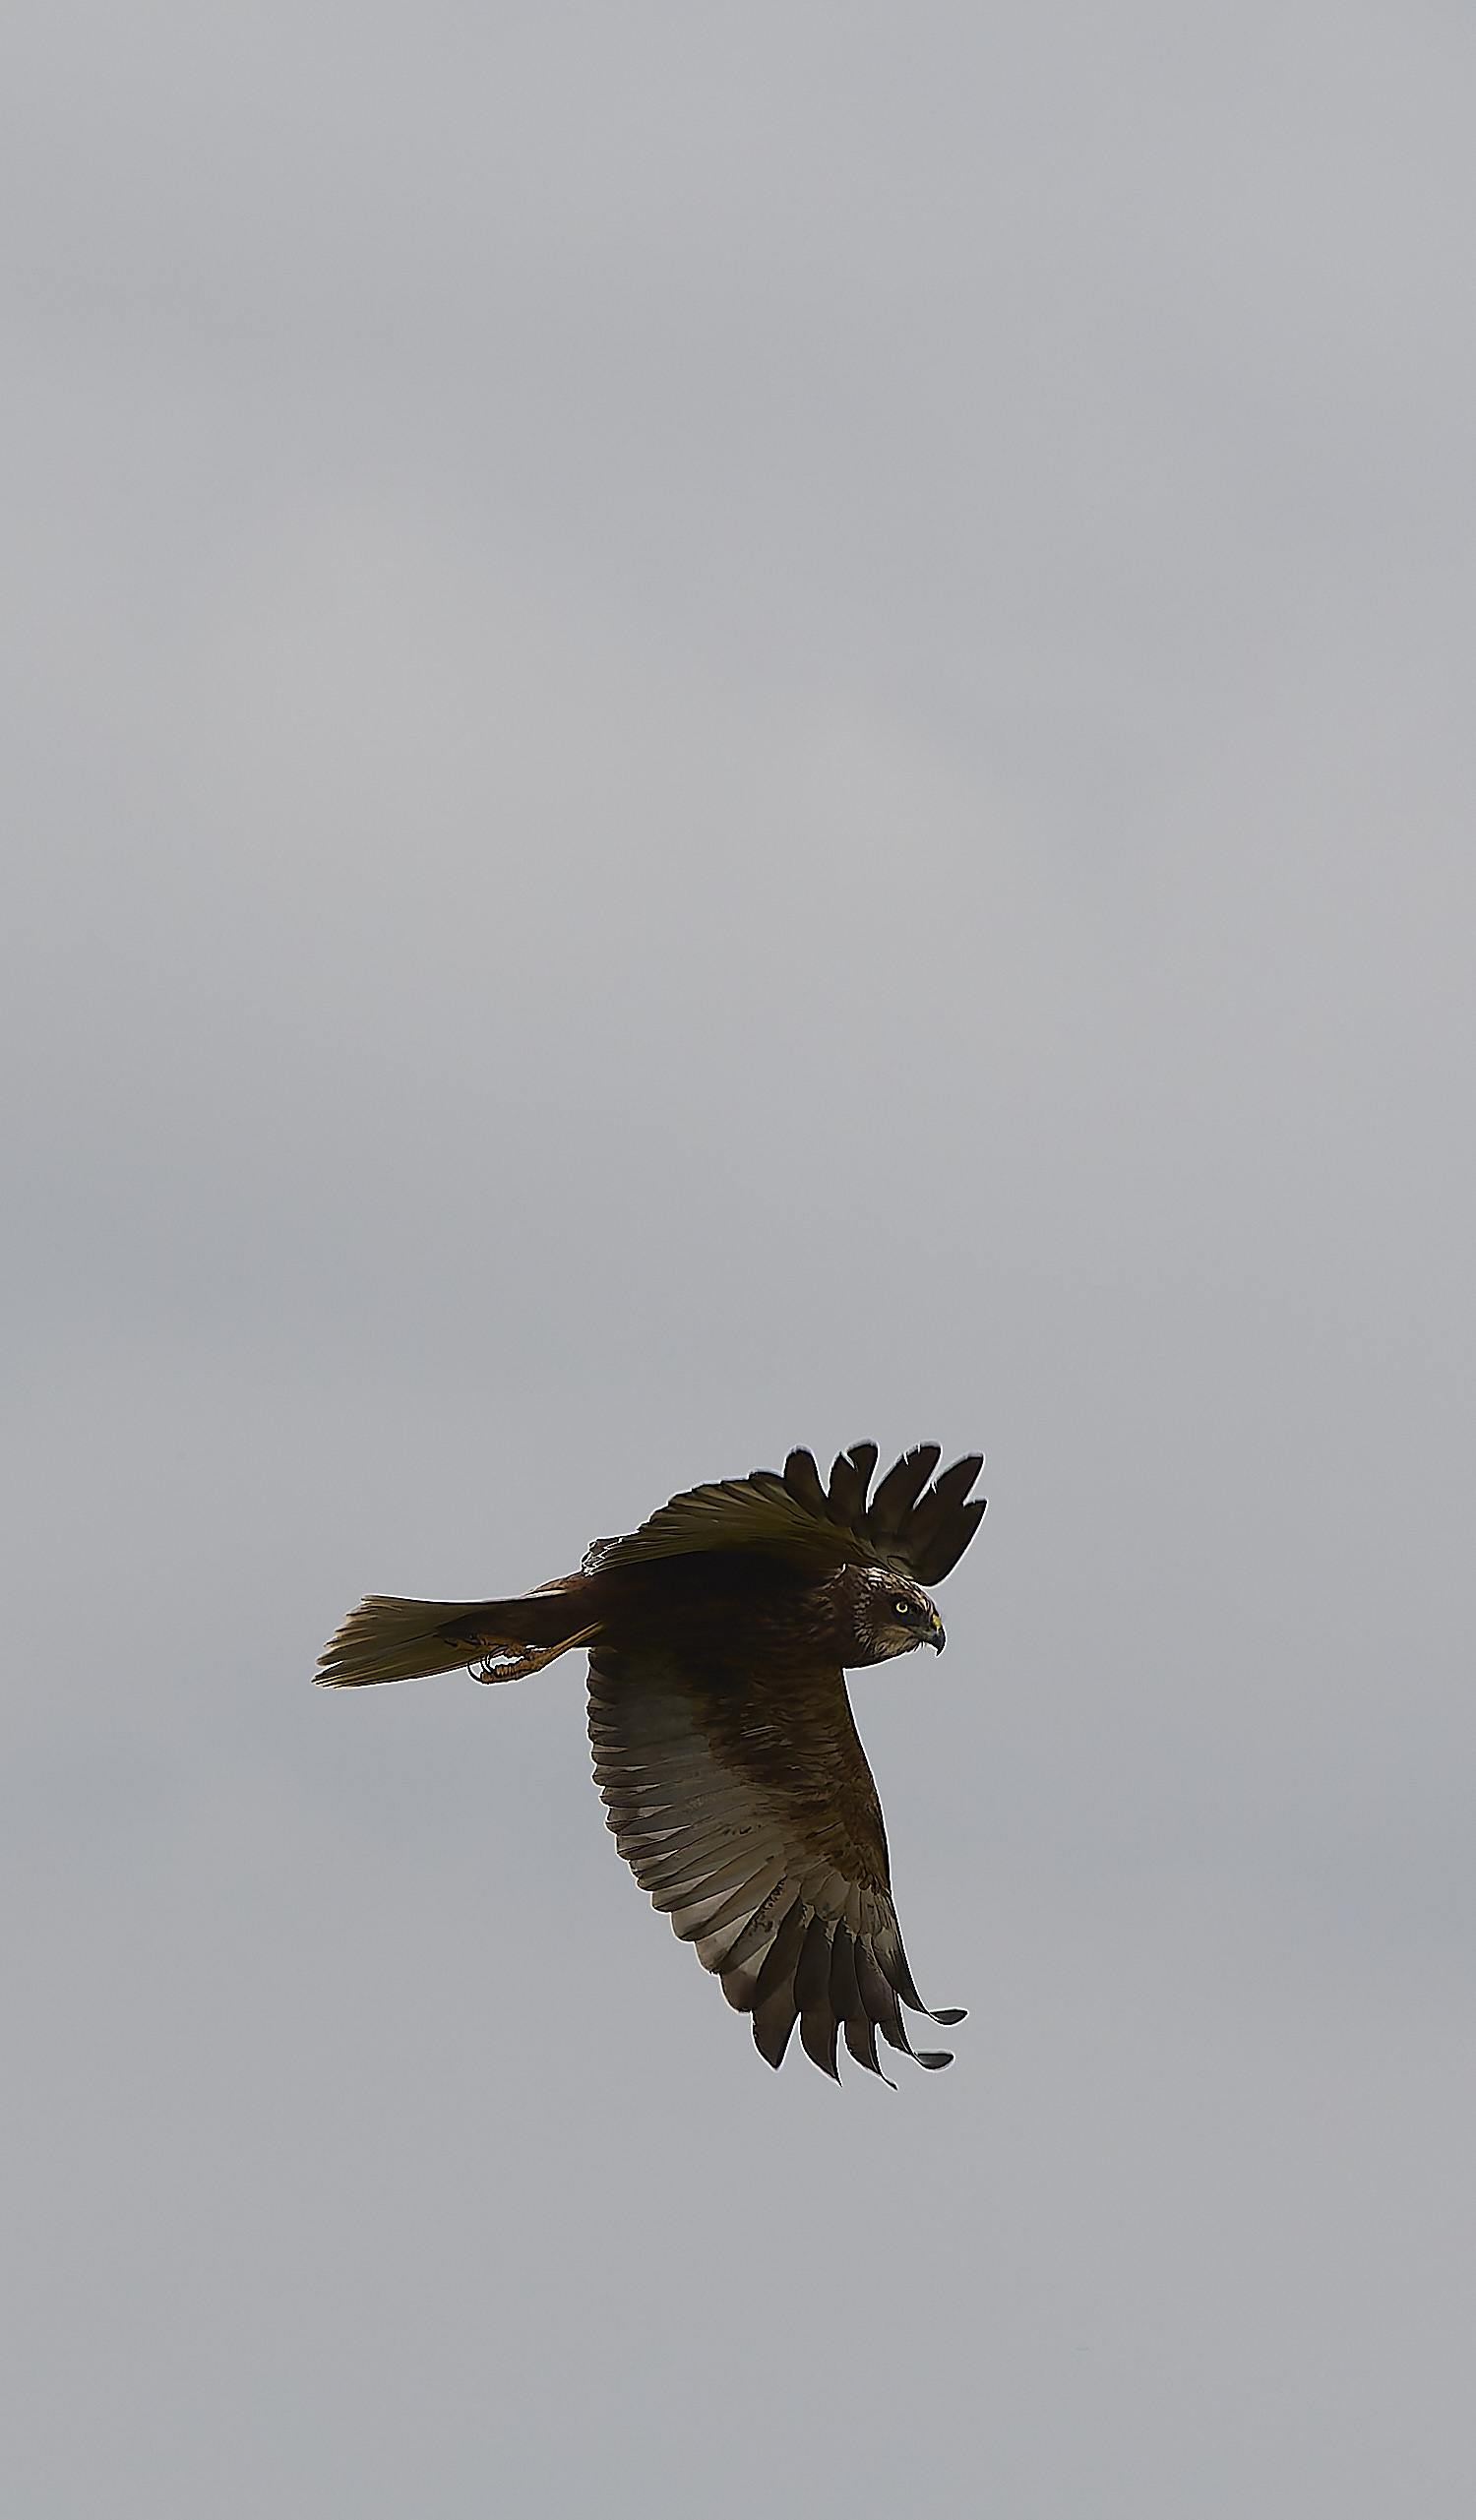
(927, 1532)
(946, 2020)
(802, 1479)
(880, 1999)
(930, 1522)
(847, 1498)
(933, 2059)
(944, 1552)
(773, 2027)
(819, 2025)
(819, 2034)
(901, 1489)
(861, 2039)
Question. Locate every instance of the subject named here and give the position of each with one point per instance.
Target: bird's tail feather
(386, 1639)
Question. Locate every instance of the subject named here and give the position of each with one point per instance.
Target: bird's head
(892, 1615)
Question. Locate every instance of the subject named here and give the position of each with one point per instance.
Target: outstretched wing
(909, 1526)
(749, 1814)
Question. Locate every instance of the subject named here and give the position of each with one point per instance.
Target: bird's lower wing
(752, 1819)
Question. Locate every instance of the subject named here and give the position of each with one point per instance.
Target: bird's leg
(531, 1659)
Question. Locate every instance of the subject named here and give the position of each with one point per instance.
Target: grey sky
(733, 728)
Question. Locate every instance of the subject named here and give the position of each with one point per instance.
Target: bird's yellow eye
(905, 1609)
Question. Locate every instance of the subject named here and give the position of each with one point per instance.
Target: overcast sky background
(734, 727)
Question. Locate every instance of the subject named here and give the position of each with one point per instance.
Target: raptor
(720, 1634)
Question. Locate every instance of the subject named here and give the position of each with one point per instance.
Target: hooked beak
(936, 1637)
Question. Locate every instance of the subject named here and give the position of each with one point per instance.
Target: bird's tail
(389, 1639)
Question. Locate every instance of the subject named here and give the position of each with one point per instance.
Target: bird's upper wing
(909, 1526)
(748, 1810)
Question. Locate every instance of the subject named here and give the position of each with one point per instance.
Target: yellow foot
(533, 1658)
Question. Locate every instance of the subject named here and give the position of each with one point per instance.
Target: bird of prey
(724, 1748)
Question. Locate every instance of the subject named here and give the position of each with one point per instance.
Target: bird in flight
(733, 1777)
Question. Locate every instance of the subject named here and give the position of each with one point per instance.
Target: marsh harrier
(733, 1777)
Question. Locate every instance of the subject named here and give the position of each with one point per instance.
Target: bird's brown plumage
(733, 1777)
